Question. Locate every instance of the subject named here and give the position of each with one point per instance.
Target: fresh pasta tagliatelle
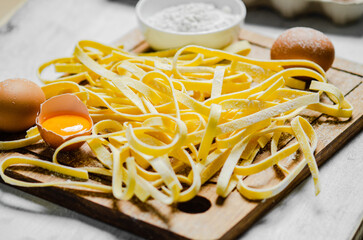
(166, 122)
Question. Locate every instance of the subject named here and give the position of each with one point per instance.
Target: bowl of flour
(169, 24)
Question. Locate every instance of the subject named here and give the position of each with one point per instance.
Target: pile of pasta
(166, 122)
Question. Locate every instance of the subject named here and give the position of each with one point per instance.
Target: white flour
(193, 17)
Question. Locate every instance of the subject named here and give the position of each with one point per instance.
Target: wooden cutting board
(207, 216)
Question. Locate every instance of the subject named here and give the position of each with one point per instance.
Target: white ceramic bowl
(160, 39)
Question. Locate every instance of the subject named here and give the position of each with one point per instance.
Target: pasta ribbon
(167, 122)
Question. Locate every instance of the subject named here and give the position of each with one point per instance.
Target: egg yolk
(66, 125)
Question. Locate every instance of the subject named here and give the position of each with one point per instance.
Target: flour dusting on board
(193, 17)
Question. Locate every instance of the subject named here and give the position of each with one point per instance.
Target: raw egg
(62, 118)
(20, 101)
(304, 43)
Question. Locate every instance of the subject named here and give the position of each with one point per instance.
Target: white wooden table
(42, 30)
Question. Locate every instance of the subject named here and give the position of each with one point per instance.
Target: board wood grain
(207, 216)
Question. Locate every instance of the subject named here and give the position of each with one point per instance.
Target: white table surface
(42, 30)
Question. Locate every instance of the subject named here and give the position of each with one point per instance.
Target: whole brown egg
(20, 101)
(304, 43)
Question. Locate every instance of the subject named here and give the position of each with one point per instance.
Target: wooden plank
(256, 39)
(229, 217)
(131, 40)
(348, 66)
(8, 9)
(359, 233)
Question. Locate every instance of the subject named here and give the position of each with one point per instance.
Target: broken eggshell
(60, 105)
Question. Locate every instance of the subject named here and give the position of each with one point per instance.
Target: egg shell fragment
(61, 105)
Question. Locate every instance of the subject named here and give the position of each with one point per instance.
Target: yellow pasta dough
(166, 122)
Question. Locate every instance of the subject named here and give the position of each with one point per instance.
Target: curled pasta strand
(167, 122)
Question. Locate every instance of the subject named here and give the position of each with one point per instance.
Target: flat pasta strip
(167, 122)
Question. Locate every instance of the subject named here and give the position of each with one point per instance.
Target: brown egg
(20, 101)
(304, 43)
(62, 118)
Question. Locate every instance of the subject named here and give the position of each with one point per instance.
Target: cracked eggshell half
(61, 105)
